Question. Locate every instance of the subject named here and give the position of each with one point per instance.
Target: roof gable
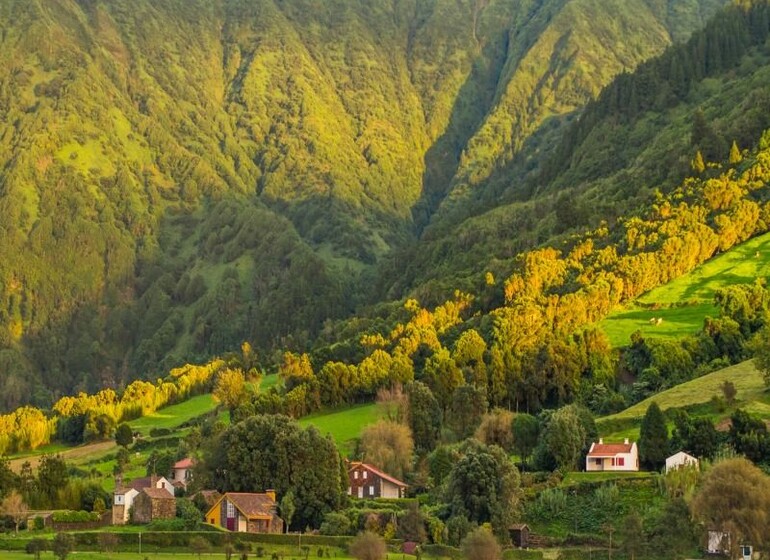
(252, 506)
(378, 472)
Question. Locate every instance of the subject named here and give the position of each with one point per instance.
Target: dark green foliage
(124, 436)
(696, 436)
(749, 436)
(52, 475)
(188, 513)
(483, 486)
(653, 439)
(274, 452)
(424, 417)
(526, 432)
(62, 545)
(469, 404)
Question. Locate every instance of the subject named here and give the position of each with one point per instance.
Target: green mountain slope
(177, 177)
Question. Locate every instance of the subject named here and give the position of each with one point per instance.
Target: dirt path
(91, 451)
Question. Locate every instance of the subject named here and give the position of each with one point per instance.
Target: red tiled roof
(609, 449)
(378, 472)
(185, 463)
(252, 505)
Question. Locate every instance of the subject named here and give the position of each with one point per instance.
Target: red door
(231, 518)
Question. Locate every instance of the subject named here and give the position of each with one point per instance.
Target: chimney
(601, 441)
(625, 441)
(118, 481)
(153, 480)
(270, 494)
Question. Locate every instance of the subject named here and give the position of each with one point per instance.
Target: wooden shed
(520, 535)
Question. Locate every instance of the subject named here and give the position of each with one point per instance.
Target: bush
(335, 524)
(368, 546)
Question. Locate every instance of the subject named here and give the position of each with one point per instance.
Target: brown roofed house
(153, 503)
(246, 513)
(366, 481)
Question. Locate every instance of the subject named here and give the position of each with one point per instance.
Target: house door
(360, 491)
(231, 518)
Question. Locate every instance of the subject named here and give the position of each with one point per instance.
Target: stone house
(152, 504)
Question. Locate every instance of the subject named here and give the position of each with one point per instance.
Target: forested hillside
(177, 177)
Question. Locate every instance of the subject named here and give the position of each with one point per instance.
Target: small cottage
(246, 513)
(613, 456)
(152, 504)
(680, 460)
(181, 473)
(366, 481)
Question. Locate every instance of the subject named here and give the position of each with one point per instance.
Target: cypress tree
(735, 154)
(653, 438)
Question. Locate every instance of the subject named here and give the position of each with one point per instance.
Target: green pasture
(344, 425)
(572, 478)
(684, 303)
(174, 415)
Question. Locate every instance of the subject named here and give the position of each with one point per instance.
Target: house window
(598, 461)
(371, 490)
(621, 461)
(613, 461)
(230, 511)
(350, 491)
(211, 520)
(355, 475)
(365, 474)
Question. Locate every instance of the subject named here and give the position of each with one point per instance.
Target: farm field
(683, 304)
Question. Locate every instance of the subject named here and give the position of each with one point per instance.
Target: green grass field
(344, 425)
(695, 395)
(174, 415)
(684, 303)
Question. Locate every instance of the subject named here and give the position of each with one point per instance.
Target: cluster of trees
(88, 417)
(51, 487)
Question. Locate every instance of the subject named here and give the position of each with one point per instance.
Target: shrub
(368, 546)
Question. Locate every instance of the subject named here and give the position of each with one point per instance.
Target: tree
(199, 545)
(62, 545)
(481, 544)
(411, 525)
(565, 437)
(483, 486)
(526, 432)
(729, 391)
(124, 436)
(288, 508)
(469, 404)
(51, 476)
(735, 154)
(735, 498)
(230, 389)
(389, 446)
(631, 532)
(424, 417)
(8, 479)
(273, 451)
(188, 512)
(36, 547)
(159, 463)
(759, 346)
(653, 438)
(496, 428)
(368, 546)
(698, 165)
(13, 506)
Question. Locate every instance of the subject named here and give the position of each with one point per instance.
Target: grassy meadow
(344, 425)
(684, 303)
(698, 397)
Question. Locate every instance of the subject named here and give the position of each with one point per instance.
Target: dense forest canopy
(177, 177)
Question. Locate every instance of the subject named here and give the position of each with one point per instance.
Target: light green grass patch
(684, 303)
(747, 379)
(344, 425)
(174, 415)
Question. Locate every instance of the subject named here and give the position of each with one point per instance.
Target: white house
(612, 456)
(181, 473)
(681, 459)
